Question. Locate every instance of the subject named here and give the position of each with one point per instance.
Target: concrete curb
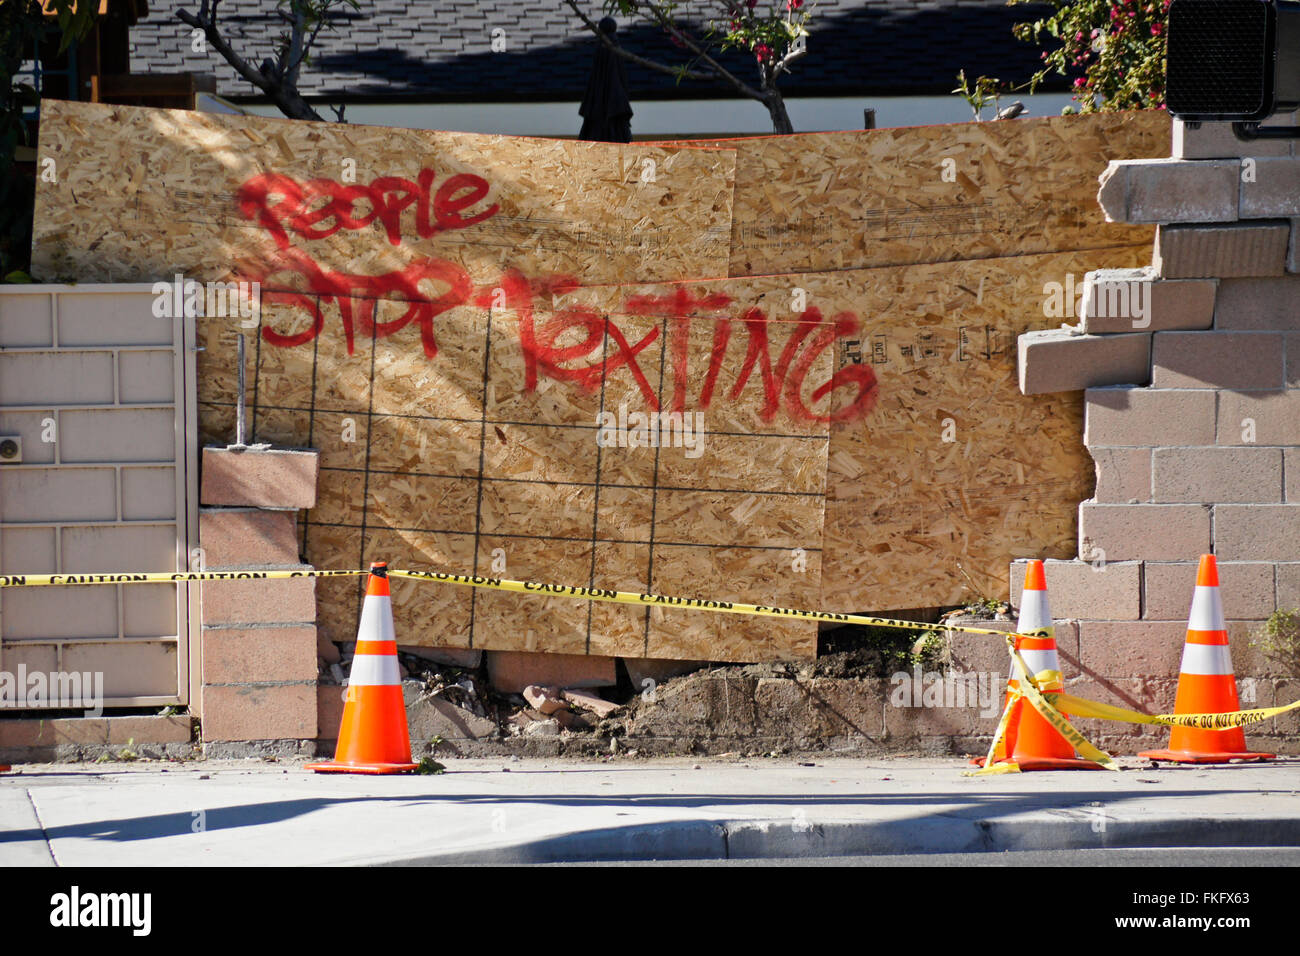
(756, 839)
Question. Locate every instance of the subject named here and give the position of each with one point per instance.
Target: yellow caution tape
(643, 599)
(155, 577)
(1031, 688)
(1079, 707)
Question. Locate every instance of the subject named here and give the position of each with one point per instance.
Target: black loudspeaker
(1233, 60)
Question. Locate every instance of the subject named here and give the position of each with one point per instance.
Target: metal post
(239, 414)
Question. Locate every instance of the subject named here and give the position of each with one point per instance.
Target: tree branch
(783, 65)
(275, 82)
(666, 23)
(661, 67)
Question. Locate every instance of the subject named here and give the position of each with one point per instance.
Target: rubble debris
(589, 701)
(544, 699)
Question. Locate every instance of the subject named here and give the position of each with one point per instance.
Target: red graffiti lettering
(357, 297)
(540, 342)
(319, 208)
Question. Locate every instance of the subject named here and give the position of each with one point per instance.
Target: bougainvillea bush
(1114, 49)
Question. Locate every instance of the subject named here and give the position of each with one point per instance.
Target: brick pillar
(258, 648)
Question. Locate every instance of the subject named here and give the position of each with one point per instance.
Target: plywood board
(864, 444)
(820, 201)
(939, 470)
(492, 457)
(142, 194)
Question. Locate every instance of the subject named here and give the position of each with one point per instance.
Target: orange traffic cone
(1206, 684)
(1031, 742)
(373, 737)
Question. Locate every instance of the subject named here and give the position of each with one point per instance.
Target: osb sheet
(851, 200)
(485, 458)
(142, 194)
(940, 471)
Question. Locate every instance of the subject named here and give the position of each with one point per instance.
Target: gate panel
(100, 392)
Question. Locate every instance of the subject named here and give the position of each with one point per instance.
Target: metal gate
(98, 473)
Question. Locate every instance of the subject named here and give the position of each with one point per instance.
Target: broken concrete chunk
(588, 701)
(543, 728)
(545, 699)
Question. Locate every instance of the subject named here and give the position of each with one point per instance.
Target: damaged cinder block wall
(1191, 377)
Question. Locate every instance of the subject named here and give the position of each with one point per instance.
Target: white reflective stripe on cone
(374, 670)
(1206, 659)
(1041, 661)
(376, 619)
(1034, 612)
(1207, 610)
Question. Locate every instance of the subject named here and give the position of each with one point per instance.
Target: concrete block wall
(1196, 450)
(259, 648)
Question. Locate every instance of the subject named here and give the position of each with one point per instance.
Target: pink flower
(794, 4)
(762, 52)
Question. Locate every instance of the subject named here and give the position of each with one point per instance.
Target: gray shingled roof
(399, 49)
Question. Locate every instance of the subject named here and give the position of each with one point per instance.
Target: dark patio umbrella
(606, 112)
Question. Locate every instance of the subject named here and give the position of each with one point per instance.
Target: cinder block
(936, 717)
(1291, 471)
(1256, 532)
(38, 731)
(1293, 248)
(272, 478)
(329, 710)
(976, 652)
(1258, 305)
(1123, 475)
(1062, 361)
(260, 601)
(259, 712)
(1246, 590)
(1076, 589)
(247, 537)
(1270, 189)
(242, 655)
(1217, 141)
(1226, 251)
(1212, 475)
(1288, 584)
(1143, 416)
(1259, 418)
(1131, 648)
(1292, 346)
(1169, 190)
(1143, 532)
(1216, 360)
(1129, 300)
(512, 671)
(1287, 725)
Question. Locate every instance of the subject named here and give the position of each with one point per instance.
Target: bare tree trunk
(775, 104)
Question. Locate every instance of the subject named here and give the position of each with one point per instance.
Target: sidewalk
(502, 810)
